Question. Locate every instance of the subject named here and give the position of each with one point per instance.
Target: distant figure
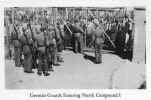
(77, 37)
(98, 37)
(90, 31)
(120, 39)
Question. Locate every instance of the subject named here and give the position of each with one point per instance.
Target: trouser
(17, 56)
(120, 50)
(53, 54)
(66, 42)
(127, 54)
(42, 62)
(59, 57)
(28, 62)
(34, 57)
(50, 55)
(60, 46)
(50, 60)
(98, 54)
(9, 51)
(88, 40)
(78, 44)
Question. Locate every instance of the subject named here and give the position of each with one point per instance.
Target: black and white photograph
(75, 47)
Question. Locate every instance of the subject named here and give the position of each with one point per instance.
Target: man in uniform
(41, 49)
(34, 44)
(98, 37)
(60, 33)
(120, 39)
(90, 31)
(17, 45)
(27, 50)
(52, 46)
(59, 43)
(67, 35)
(128, 40)
(7, 31)
(77, 37)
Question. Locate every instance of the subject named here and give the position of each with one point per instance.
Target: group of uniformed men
(40, 45)
(37, 46)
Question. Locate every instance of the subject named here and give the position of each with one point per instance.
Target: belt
(41, 46)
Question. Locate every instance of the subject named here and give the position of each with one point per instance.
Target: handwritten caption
(75, 95)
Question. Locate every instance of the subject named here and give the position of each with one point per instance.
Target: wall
(139, 36)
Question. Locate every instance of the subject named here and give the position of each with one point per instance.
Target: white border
(127, 94)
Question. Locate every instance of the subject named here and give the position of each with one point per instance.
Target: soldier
(59, 42)
(60, 32)
(113, 31)
(67, 35)
(62, 35)
(98, 37)
(17, 46)
(53, 39)
(128, 40)
(90, 31)
(27, 50)
(78, 37)
(120, 39)
(50, 47)
(34, 45)
(41, 49)
(7, 31)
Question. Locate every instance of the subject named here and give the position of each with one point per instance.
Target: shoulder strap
(26, 38)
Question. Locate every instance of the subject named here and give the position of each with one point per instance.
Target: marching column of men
(37, 46)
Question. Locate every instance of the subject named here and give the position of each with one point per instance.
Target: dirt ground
(76, 72)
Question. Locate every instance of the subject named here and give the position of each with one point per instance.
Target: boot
(39, 73)
(29, 71)
(46, 73)
(50, 68)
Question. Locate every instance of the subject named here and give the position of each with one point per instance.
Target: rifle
(109, 39)
(26, 38)
(16, 35)
(33, 47)
(32, 35)
(66, 25)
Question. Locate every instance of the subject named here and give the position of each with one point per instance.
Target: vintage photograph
(75, 47)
